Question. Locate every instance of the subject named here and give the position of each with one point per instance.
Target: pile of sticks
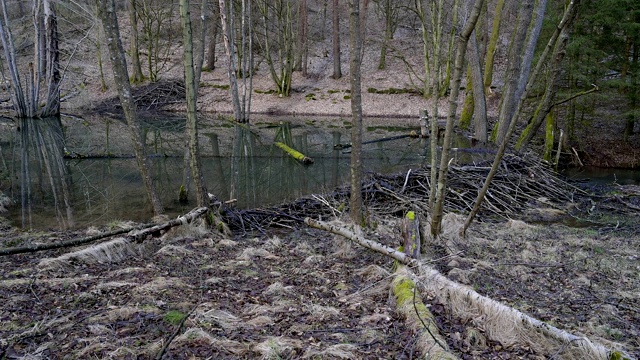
(521, 182)
(149, 97)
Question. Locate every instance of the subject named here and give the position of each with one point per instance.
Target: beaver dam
(521, 285)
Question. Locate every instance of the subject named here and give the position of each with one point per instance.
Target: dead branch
(175, 333)
(138, 233)
(369, 244)
(181, 220)
(69, 243)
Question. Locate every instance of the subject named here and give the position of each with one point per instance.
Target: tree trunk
(463, 39)
(134, 48)
(335, 33)
(573, 5)
(532, 39)
(230, 49)
(553, 74)
(192, 119)
(52, 102)
(355, 51)
(302, 38)
(109, 19)
(493, 44)
(514, 69)
(211, 51)
(479, 100)
(388, 34)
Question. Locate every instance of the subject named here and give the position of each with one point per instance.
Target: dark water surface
(84, 188)
(52, 191)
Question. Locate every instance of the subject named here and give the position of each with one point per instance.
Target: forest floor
(289, 291)
(297, 292)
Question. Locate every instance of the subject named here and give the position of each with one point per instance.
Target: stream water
(85, 188)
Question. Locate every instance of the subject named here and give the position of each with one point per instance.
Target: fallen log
(138, 234)
(369, 244)
(69, 243)
(431, 343)
(501, 322)
(391, 138)
(294, 153)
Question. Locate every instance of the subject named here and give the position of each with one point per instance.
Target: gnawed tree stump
(411, 234)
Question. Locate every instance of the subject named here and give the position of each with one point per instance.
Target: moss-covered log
(409, 303)
(294, 153)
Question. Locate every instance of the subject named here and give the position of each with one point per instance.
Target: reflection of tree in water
(243, 183)
(42, 169)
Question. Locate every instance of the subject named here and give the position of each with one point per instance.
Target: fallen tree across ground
(500, 322)
(136, 233)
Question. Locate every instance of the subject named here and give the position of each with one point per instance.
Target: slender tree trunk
(232, 70)
(463, 39)
(52, 102)
(355, 51)
(302, 38)
(532, 39)
(134, 48)
(17, 94)
(558, 42)
(192, 119)
(493, 44)
(388, 34)
(199, 59)
(211, 51)
(516, 56)
(109, 19)
(573, 5)
(479, 100)
(335, 33)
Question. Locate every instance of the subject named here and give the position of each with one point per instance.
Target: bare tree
(514, 69)
(45, 72)
(302, 51)
(335, 34)
(134, 48)
(355, 53)
(463, 38)
(109, 19)
(191, 94)
(278, 42)
(492, 46)
(239, 56)
(213, 39)
(512, 124)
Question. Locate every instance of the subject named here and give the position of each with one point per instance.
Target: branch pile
(521, 182)
(150, 97)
